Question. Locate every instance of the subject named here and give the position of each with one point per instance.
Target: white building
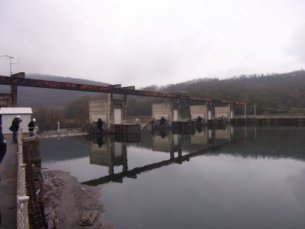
(7, 114)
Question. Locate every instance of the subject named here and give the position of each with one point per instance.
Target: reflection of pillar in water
(199, 138)
(229, 132)
(232, 130)
(245, 130)
(175, 139)
(162, 144)
(109, 154)
(223, 134)
(179, 153)
(111, 164)
(125, 159)
(210, 134)
(111, 169)
(172, 154)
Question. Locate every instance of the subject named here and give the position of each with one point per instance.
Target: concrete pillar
(209, 114)
(175, 115)
(14, 95)
(20, 75)
(125, 109)
(254, 110)
(165, 110)
(231, 111)
(175, 110)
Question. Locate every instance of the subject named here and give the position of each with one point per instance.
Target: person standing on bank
(31, 126)
(15, 127)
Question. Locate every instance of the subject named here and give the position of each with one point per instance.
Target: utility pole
(11, 63)
(13, 87)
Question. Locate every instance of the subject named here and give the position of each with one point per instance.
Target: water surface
(249, 177)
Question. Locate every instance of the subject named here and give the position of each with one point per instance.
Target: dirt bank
(69, 204)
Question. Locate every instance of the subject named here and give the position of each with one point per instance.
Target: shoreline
(69, 204)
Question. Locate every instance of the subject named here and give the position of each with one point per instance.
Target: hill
(272, 93)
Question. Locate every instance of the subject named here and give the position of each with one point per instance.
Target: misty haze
(152, 114)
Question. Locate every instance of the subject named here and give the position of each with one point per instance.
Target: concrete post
(22, 199)
(22, 217)
(254, 110)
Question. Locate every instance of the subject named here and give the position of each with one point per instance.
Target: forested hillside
(273, 92)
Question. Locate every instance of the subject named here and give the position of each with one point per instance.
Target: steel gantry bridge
(19, 80)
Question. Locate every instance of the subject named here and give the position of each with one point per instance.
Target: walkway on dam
(8, 186)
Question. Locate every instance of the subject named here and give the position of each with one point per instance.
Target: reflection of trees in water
(272, 142)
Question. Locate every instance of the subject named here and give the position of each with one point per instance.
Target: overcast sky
(149, 42)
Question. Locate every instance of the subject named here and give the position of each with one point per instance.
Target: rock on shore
(69, 204)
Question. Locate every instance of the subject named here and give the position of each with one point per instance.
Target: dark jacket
(15, 125)
(2, 147)
(31, 126)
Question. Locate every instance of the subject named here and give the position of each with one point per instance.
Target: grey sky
(148, 42)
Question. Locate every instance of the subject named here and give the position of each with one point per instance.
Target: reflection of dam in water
(109, 154)
(180, 148)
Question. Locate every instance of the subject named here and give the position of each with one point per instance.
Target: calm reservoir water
(226, 178)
